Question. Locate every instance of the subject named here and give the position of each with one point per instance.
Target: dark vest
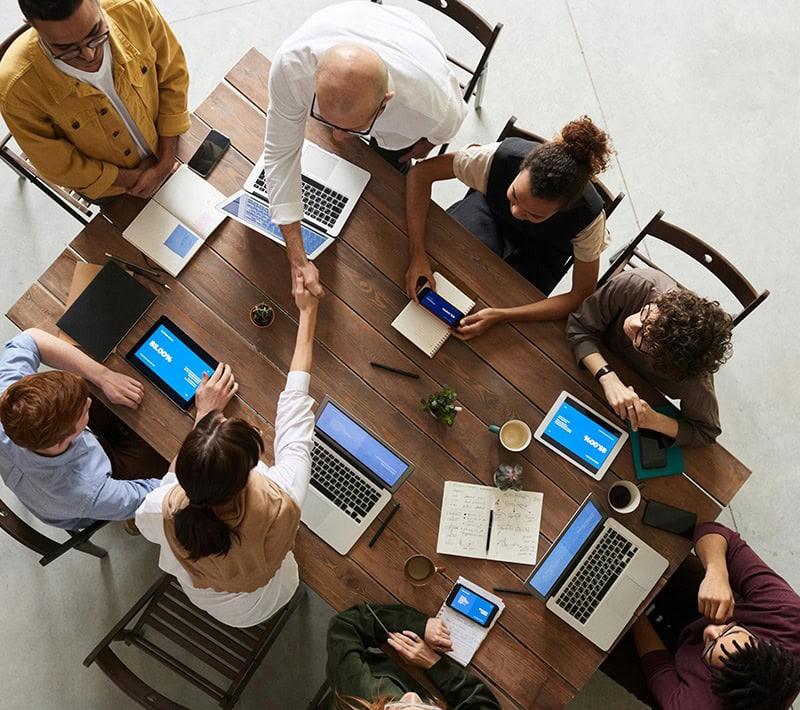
(540, 252)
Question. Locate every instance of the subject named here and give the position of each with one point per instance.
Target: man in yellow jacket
(96, 94)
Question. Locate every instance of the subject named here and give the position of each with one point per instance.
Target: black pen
(395, 370)
(489, 531)
(143, 270)
(384, 524)
(503, 590)
(153, 279)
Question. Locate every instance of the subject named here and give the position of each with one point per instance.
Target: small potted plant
(507, 476)
(441, 405)
(262, 315)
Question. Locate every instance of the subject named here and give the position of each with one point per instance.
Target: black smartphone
(669, 518)
(209, 153)
(652, 449)
(472, 605)
(437, 305)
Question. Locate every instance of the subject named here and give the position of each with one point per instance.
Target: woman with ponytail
(531, 203)
(225, 521)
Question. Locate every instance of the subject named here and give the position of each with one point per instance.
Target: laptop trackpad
(625, 597)
(318, 163)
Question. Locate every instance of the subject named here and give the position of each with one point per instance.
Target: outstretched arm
(304, 344)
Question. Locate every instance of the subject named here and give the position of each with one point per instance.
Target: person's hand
(121, 389)
(419, 150)
(303, 298)
(437, 636)
(715, 596)
(412, 649)
(476, 323)
(310, 275)
(623, 399)
(419, 268)
(216, 391)
(643, 416)
(151, 177)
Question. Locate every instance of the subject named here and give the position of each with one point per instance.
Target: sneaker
(130, 527)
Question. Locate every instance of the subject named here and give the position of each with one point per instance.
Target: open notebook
(423, 328)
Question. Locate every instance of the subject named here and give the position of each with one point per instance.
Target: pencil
(134, 267)
(383, 525)
(405, 373)
(503, 590)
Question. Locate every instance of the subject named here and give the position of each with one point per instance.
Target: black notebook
(107, 309)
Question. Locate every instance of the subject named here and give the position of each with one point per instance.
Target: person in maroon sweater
(744, 649)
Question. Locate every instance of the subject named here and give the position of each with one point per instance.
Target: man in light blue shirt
(55, 466)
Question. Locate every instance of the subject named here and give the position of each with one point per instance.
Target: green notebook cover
(674, 454)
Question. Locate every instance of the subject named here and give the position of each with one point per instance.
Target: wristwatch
(603, 371)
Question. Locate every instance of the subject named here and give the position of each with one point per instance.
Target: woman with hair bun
(531, 203)
(225, 521)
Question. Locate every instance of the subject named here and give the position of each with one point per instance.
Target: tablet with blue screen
(582, 436)
(172, 361)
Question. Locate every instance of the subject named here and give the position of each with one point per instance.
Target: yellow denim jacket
(68, 129)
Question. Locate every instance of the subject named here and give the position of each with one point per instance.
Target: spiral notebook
(423, 328)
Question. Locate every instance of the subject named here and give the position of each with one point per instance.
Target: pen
(153, 279)
(395, 370)
(372, 611)
(383, 525)
(503, 590)
(134, 267)
(489, 531)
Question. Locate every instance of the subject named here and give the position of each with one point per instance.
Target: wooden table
(531, 658)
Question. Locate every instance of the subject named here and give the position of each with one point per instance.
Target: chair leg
(480, 86)
(79, 540)
(322, 695)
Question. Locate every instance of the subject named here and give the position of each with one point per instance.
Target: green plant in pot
(441, 405)
(262, 315)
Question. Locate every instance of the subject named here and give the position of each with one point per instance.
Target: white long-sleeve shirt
(427, 101)
(294, 428)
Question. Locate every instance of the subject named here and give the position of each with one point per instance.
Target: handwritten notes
(487, 523)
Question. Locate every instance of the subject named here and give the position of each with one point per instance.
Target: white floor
(703, 103)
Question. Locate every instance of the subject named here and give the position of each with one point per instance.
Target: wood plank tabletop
(530, 658)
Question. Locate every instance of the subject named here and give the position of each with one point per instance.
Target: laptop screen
(568, 546)
(360, 444)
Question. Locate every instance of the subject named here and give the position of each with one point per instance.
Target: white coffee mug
(624, 497)
(515, 435)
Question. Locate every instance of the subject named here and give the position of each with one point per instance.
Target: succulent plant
(441, 405)
(262, 314)
(507, 476)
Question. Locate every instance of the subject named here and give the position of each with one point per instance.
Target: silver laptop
(596, 574)
(353, 476)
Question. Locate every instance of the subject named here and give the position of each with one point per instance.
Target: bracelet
(603, 371)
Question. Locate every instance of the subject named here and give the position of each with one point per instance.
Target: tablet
(581, 435)
(172, 361)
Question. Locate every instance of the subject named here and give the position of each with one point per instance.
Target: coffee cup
(419, 569)
(515, 435)
(624, 497)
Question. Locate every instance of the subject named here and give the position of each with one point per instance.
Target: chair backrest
(47, 547)
(8, 41)
(511, 130)
(218, 659)
(733, 279)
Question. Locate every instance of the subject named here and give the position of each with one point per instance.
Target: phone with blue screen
(437, 305)
(472, 605)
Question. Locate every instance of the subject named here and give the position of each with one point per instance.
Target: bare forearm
(645, 637)
(418, 200)
(304, 344)
(553, 308)
(712, 549)
(60, 355)
(167, 149)
(293, 237)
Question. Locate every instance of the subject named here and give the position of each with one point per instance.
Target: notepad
(464, 524)
(423, 328)
(106, 310)
(176, 221)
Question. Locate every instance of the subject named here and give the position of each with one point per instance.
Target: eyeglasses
(404, 704)
(75, 51)
(640, 339)
(315, 115)
(710, 645)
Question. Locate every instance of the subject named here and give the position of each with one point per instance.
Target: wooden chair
(482, 31)
(695, 248)
(171, 629)
(511, 130)
(74, 203)
(47, 547)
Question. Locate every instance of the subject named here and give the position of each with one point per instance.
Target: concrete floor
(702, 101)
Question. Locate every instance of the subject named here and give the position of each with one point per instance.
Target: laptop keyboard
(596, 575)
(342, 485)
(320, 203)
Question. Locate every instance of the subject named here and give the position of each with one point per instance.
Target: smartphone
(667, 517)
(472, 605)
(442, 309)
(209, 153)
(652, 449)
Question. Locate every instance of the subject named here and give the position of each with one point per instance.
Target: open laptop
(596, 574)
(331, 188)
(353, 476)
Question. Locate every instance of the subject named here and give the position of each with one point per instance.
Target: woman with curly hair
(672, 337)
(531, 203)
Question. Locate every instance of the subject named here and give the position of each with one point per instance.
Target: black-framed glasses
(315, 115)
(725, 631)
(640, 339)
(75, 51)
